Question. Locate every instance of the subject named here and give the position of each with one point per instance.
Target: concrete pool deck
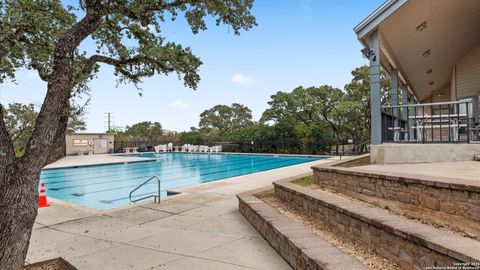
(201, 228)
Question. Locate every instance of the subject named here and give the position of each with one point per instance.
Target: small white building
(89, 143)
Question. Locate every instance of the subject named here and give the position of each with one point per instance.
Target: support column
(405, 102)
(407, 126)
(375, 89)
(411, 132)
(394, 95)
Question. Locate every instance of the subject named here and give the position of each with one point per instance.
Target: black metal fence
(441, 122)
(285, 146)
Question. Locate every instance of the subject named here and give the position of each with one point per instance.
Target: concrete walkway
(199, 229)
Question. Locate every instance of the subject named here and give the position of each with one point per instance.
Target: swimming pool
(108, 186)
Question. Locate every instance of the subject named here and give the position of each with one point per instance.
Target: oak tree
(45, 36)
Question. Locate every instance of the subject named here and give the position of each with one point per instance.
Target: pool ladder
(156, 198)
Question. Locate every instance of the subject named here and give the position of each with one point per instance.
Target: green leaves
(225, 119)
(358, 92)
(147, 131)
(28, 32)
(128, 34)
(20, 120)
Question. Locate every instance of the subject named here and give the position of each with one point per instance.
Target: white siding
(468, 74)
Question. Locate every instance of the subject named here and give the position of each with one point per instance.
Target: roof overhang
(373, 20)
(424, 39)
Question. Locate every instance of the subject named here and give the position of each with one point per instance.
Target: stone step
(448, 202)
(476, 157)
(409, 243)
(298, 246)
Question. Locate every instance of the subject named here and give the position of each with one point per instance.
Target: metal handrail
(469, 100)
(149, 196)
(355, 149)
(428, 122)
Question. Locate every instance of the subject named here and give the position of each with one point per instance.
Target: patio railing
(441, 122)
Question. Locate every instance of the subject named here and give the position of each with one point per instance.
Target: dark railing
(441, 122)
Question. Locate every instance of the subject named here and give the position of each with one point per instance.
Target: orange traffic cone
(42, 198)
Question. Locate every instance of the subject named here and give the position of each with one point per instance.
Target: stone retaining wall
(298, 246)
(411, 246)
(452, 197)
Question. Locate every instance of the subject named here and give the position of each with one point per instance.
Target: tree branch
(59, 89)
(122, 64)
(143, 17)
(42, 71)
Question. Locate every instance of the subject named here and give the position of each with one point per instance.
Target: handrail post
(144, 183)
(158, 181)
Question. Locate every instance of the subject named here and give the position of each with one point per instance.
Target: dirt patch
(366, 256)
(54, 264)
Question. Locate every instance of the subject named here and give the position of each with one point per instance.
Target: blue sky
(297, 42)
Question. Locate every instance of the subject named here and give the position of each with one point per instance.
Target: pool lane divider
(142, 169)
(176, 179)
(51, 172)
(212, 180)
(139, 167)
(93, 167)
(166, 174)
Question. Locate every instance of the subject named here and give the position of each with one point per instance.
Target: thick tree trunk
(18, 209)
(58, 147)
(19, 176)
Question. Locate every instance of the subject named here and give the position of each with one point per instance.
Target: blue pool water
(107, 186)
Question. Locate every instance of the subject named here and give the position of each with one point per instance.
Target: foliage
(281, 138)
(76, 123)
(29, 31)
(20, 120)
(358, 91)
(304, 121)
(225, 119)
(290, 108)
(144, 131)
(314, 106)
(191, 137)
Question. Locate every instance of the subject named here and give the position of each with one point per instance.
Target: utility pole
(108, 121)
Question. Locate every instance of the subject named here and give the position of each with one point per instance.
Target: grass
(353, 163)
(305, 181)
(265, 193)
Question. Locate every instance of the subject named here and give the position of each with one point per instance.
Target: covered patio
(431, 50)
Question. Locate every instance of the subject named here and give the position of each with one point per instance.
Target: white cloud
(178, 104)
(243, 79)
